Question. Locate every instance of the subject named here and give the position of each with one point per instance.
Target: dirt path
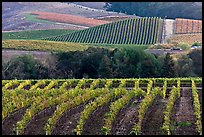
(154, 117)
(183, 116)
(95, 121)
(67, 123)
(10, 122)
(36, 125)
(126, 118)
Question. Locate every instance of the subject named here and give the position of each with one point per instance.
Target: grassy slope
(40, 45)
(34, 34)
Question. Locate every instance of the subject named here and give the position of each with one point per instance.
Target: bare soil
(183, 113)
(154, 117)
(126, 118)
(95, 121)
(68, 122)
(9, 122)
(36, 125)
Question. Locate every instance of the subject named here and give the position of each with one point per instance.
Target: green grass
(34, 34)
(33, 18)
(40, 45)
(184, 124)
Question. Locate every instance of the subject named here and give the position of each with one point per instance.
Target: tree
(23, 67)
(196, 56)
(169, 67)
(185, 66)
(192, 10)
(105, 69)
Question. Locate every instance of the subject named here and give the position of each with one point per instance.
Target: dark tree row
(189, 10)
(127, 62)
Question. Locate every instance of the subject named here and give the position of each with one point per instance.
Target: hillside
(131, 31)
(69, 19)
(16, 15)
(186, 38)
(183, 26)
(34, 34)
(39, 45)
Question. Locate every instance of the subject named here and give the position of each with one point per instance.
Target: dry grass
(68, 18)
(41, 45)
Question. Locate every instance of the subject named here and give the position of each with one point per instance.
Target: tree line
(126, 62)
(189, 10)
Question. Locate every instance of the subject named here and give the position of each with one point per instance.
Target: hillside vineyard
(131, 31)
(96, 106)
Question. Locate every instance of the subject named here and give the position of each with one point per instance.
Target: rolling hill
(39, 45)
(34, 34)
(16, 15)
(141, 31)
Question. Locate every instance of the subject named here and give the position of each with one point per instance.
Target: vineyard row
(36, 100)
(141, 31)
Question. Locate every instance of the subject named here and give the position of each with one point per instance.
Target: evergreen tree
(169, 67)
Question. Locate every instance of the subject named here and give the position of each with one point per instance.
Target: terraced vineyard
(141, 31)
(102, 106)
(184, 26)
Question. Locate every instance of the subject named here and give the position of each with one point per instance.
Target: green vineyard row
(94, 83)
(67, 94)
(141, 31)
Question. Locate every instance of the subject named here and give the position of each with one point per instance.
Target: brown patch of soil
(154, 117)
(36, 125)
(95, 121)
(183, 112)
(126, 118)
(42, 86)
(27, 87)
(68, 122)
(10, 122)
(13, 87)
(68, 18)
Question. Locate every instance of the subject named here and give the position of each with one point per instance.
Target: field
(68, 18)
(186, 38)
(147, 106)
(141, 31)
(183, 26)
(39, 45)
(35, 34)
(14, 15)
(33, 18)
